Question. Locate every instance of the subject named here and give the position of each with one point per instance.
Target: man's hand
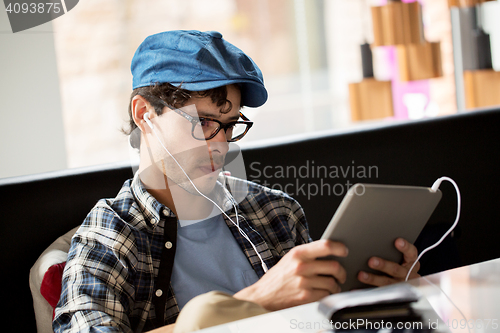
(298, 278)
(396, 272)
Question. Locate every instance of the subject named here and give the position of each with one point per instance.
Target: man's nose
(219, 143)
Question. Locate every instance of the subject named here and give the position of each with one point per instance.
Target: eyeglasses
(207, 128)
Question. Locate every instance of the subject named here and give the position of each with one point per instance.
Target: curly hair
(174, 96)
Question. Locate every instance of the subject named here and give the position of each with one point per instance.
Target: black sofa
(37, 209)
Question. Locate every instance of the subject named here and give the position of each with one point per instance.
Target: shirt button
(159, 292)
(168, 245)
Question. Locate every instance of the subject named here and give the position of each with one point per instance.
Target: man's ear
(139, 107)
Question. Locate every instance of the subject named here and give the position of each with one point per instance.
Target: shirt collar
(222, 196)
(151, 208)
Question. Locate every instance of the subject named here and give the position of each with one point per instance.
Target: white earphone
(237, 223)
(146, 118)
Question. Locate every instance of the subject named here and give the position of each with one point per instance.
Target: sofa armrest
(56, 253)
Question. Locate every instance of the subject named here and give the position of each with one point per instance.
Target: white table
(469, 294)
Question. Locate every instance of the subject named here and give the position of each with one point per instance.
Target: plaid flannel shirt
(112, 267)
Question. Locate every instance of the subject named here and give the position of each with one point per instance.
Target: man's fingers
(320, 248)
(322, 267)
(325, 283)
(394, 272)
(409, 251)
(414, 273)
(375, 280)
(388, 267)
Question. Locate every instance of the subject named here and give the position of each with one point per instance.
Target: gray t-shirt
(208, 258)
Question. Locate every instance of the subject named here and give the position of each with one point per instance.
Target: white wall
(32, 133)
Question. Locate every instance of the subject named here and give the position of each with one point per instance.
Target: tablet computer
(369, 220)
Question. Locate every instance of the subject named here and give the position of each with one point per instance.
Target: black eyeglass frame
(195, 121)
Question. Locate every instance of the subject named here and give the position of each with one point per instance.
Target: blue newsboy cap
(197, 61)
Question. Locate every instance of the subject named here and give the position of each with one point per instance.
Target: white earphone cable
(435, 187)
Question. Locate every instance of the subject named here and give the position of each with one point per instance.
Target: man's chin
(204, 184)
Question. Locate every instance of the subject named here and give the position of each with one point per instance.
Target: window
(308, 51)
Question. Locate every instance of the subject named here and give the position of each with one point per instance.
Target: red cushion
(51, 285)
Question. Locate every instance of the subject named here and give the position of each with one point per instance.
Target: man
(178, 229)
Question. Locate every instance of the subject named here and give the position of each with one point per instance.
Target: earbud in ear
(146, 119)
